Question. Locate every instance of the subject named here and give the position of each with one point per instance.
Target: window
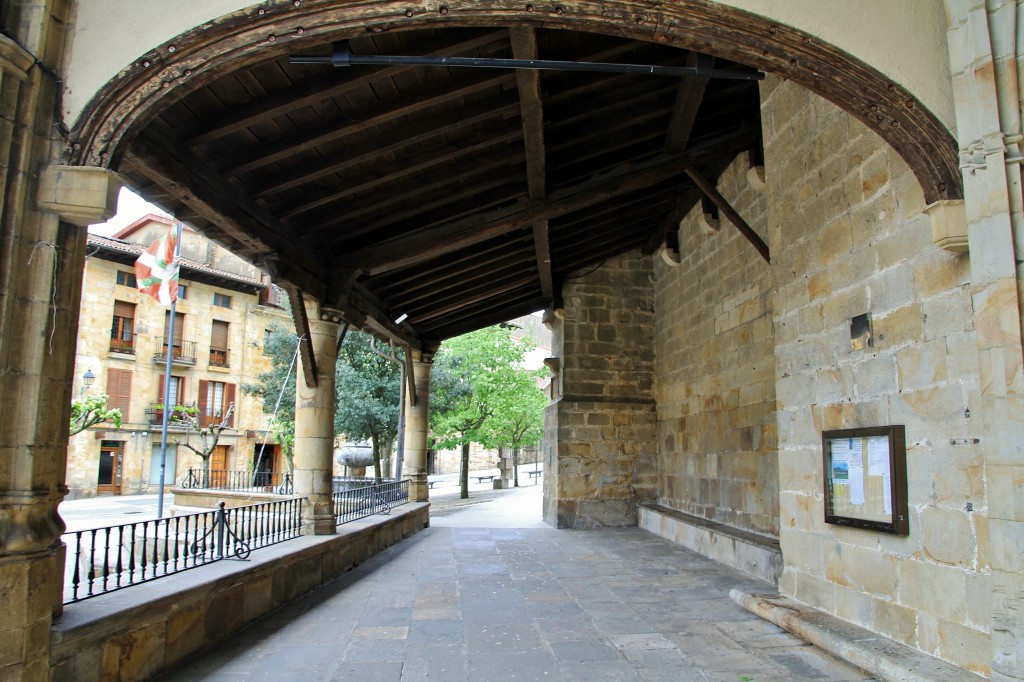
(122, 338)
(126, 279)
(177, 390)
(179, 330)
(170, 467)
(119, 390)
(182, 290)
(222, 300)
(266, 339)
(215, 397)
(219, 344)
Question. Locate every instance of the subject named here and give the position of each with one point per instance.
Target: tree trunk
(387, 449)
(515, 466)
(376, 459)
(464, 473)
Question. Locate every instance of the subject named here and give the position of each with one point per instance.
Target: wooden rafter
(726, 208)
(524, 46)
(688, 100)
(437, 240)
(298, 306)
(225, 206)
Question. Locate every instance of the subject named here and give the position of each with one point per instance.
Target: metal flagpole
(167, 388)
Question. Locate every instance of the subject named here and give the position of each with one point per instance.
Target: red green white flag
(156, 270)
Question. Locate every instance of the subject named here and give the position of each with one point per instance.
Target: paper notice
(857, 482)
(878, 456)
(886, 494)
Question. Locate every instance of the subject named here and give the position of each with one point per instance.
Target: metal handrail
(357, 503)
(279, 483)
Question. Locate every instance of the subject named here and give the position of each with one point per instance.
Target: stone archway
(185, 62)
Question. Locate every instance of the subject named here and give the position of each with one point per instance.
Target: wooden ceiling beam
(445, 266)
(688, 100)
(254, 232)
(484, 318)
(384, 112)
(712, 193)
(402, 137)
(284, 101)
(410, 166)
(474, 273)
(524, 46)
(463, 300)
(437, 240)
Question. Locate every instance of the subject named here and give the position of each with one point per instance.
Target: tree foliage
(367, 389)
(90, 411)
(477, 376)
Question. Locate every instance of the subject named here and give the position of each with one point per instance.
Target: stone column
(417, 422)
(983, 63)
(314, 423)
(41, 263)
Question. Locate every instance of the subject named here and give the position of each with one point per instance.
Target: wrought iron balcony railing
(219, 357)
(182, 353)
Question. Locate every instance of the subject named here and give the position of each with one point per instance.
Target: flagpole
(168, 409)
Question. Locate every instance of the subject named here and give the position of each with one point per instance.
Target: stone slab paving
(460, 603)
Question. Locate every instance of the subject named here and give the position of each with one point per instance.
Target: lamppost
(87, 380)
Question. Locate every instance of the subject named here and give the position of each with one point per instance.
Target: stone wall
(716, 369)
(848, 237)
(601, 431)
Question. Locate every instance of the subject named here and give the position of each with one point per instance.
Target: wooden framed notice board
(865, 473)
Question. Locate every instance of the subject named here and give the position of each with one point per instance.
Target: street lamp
(87, 380)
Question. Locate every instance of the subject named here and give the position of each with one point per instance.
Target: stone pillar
(314, 423)
(601, 455)
(41, 263)
(984, 66)
(417, 422)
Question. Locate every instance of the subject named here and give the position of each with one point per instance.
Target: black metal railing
(349, 482)
(115, 557)
(177, 414)
(240, 481)
(358, 503)
(182, 353)
(123, 343)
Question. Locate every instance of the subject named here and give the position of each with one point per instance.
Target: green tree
(90, 411)
(208, 437)
(518, 418)
(472, 376)
(279, 345)
(368, 390)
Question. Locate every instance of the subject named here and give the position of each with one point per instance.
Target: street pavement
(489, 593)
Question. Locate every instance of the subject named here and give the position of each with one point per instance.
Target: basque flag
(156, 270)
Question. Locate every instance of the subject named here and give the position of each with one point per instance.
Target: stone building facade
(225, 308)
(691, 389)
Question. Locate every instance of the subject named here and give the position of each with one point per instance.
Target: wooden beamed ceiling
(457, 197)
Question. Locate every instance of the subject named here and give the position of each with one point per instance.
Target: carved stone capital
(29, 522)
(949, 225)
(80, 195)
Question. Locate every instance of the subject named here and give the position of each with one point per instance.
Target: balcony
(219, 357)
(124, 345)
(177, 414)
(182, 353)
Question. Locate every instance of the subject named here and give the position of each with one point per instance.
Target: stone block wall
(601, 431)
(716, 369)
(848, 237)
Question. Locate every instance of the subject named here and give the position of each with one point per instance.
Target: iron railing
(240, 481)
(358, 503)
(219, 357)
(106, 559)
(182, 353)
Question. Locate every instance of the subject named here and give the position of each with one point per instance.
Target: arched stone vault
(186, 61)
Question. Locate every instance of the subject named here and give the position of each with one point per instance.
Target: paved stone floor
(514, 600)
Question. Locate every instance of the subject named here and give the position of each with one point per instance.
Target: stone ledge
(755, 555)
(134, 633)
(882, 658)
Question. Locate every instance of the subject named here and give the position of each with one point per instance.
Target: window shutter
(119, 390)
(229, 397)
(123, 309)
(204, 407)
(179, 326)
(219, 335)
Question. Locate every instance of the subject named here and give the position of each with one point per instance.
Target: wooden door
(219, 466)
(108, 477)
